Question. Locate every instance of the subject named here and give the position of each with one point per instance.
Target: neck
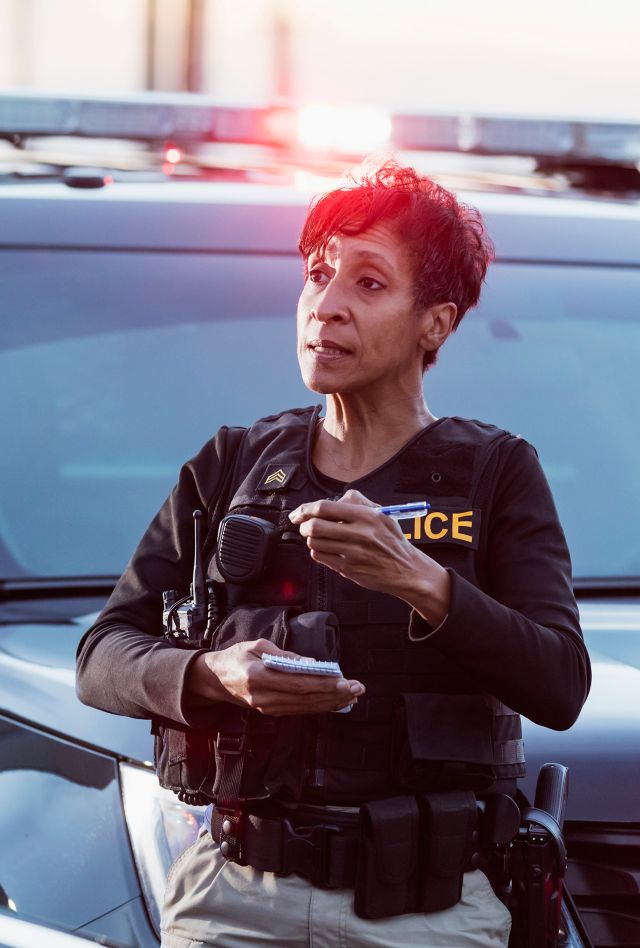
(359, 434)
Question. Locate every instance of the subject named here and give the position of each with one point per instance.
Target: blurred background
(549, 57)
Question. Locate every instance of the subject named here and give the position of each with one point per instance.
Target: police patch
(445, 524)
(276, 477)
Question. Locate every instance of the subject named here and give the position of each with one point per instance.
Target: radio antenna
(198, 587)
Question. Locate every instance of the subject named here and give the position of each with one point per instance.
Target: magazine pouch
(387, 857)
(447, 824)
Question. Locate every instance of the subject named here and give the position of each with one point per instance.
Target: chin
(319, 386)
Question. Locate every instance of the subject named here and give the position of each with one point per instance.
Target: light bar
(183, 118)
(609, 142)
(145, 117)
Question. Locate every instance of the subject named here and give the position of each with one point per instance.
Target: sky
(548, 57)
(560, 57)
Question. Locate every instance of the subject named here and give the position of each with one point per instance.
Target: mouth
(327, 349)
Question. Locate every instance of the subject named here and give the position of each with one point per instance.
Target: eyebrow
(365, 255)
(372, 256)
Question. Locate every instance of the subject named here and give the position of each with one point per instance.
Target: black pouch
(314, 635)
(256, 755)
(184, 760)
(387, 857)
(447, 823)
(249, 623)
(444, 741)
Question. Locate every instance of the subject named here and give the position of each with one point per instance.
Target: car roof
(243, 217)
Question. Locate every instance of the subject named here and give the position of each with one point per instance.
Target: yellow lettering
(458, 522)
(417, 532)
(427, 525)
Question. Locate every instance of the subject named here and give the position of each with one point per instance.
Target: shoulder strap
(482, 484)
(235, 437)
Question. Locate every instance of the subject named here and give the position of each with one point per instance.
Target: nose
(332, 305)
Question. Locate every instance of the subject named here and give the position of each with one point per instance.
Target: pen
(401, 511)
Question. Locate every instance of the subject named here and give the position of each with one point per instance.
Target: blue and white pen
(403, 511)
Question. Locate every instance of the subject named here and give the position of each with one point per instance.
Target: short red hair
(446, 240)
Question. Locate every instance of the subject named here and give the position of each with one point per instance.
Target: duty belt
(321, 847)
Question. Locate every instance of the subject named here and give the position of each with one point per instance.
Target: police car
(148, 283)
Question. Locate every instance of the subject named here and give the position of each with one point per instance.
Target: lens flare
(172, 155)
(348, 130)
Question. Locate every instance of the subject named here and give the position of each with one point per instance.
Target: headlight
(160, 828)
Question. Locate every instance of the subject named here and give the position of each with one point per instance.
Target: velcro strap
(323, 853)
(510, 752)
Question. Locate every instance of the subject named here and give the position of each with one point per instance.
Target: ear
(437, 325)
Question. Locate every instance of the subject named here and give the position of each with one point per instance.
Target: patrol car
(148, 283)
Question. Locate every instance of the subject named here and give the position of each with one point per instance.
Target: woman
(450, 624)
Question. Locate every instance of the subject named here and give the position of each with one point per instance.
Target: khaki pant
(210, 901)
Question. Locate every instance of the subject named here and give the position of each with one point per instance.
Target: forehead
(380, 243)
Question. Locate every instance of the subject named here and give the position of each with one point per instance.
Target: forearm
(539, 670)
(126, 671)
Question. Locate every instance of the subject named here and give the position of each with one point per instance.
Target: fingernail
(356, 689)
(295, 516)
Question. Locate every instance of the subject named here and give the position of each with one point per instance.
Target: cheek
(300, 322)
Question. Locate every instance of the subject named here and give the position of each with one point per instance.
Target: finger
(337, 510)
(281, 703)
(316, 527)
(353, 496)
(289, 709)
(328, 546)
(337, 563)
(294, 683)
(348, 692)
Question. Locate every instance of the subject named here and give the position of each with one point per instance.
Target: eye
(317, 276)
(369, 283)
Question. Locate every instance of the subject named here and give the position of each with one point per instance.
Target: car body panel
(37, 669)
(216, 217)
(61, 802)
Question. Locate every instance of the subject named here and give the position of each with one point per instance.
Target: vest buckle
(307, 850)
(231, 744)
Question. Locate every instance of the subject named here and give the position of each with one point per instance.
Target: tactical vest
(424, 723)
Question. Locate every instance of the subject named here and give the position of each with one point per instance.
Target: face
(357, 324)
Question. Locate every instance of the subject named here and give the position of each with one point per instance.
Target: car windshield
(116, 367)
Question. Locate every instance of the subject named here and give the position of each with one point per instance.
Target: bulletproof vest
(423, 723)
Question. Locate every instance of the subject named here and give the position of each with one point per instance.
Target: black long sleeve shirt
(519, 637)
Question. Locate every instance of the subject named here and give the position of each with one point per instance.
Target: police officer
(358, 828)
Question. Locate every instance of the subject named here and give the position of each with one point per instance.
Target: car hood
(601, 749)
(37, 684)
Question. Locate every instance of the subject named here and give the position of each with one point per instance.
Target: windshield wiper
(54, 587)
(597, 587)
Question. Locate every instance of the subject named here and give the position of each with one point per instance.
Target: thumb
(260, 646)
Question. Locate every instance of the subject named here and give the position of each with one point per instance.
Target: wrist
(202, 684)
(428, 589)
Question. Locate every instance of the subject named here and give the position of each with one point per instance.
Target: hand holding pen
(350, 537)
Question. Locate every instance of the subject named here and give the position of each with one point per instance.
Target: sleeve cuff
(419, 629)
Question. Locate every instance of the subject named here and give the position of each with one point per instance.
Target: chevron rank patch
(276, 477)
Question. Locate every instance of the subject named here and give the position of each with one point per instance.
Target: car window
(551, 354)
(115, 368)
